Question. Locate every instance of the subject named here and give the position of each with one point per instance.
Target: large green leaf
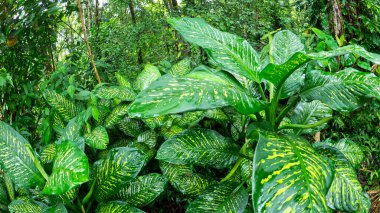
(149, 138)
(201, 147)
(144, 190)
(201, 89)
(224, 197)
(278, 73)
(26, 205)
(345, 193)
(15, 159)
(284, 45)
(146, 77)
(66, 108)
(97, 138)
(70, 169)
(184, 179)
(123, 81)
(289, 175)
(343, 90)
(117, 207)
(307, 113)
(112, 92)
(131, 127)
(116, 115)
(231, 52)
(58, 208)
(48, 153)
(120, 166)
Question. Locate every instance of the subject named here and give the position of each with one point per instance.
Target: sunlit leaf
(112, 92)
(70, 169)
(15, 159)
(147, 76)
(66, 108)
(289, 175)
(97, 138)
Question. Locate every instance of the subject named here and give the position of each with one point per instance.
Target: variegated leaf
(26, 205)
(122, 81)
(345, 193)
(224, 197)
(216, 114)
(181, 68)
(3, 193)
(289, 175)
(15, 159)
(146, 77)
(278, 73)
(144, 190)
(48, 153)
(156, 121)
(66, 108)
(97, 138)
(342, 91)
(131, 127)
(184, 179)
(201, 89)
(112, 92)
(201, 147)
(73, 130)
(120, 166)
(149, 138)
(70, 169)
(70, 195)
(117, 207)
(306, 113)
(116, 115)
(231, 52)
(169, 132)
(143, 148)
(284, 45)
(189, 119)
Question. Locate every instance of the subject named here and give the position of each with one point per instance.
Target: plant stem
(243, 151)
(305, 126)
(89, 194)
(36, 162)
(273, 106)
(262, 93)
(284, 112)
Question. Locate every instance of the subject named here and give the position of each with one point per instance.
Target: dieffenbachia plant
(279, 98)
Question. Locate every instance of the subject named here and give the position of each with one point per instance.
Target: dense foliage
(265, 107)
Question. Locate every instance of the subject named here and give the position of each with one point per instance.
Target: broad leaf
(146, 77)
(184, 179)
(189, 119)
(120, 166)
(70, 169)
(58, 208)
(149, 138)
(23, 205)
(73, 130)
(66, 108)
(343, 90)
(97, 138)
(220, 198)
(131, 127)
(231, 52)
(144, 190)
(307, 113)
(289, 176)
(117, 207)
(278, 73)
(201, 89)
(48, 153)
(181, 68)
(15, 159)
(122, 80)
(112, 92)
(293, 84)
(201, 147)
(345, 193)
(284, 45)
(116, 115)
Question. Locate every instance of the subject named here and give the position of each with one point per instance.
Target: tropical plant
(275, 99)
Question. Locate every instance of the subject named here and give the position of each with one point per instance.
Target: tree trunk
(133, 16)
(336, 19)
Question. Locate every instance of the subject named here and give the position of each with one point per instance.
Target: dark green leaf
(142, 191)
(97, 138)
(201, 147)
(120, 166)
(116, 115)
(225, 197)
(26, 205)
(117, 207)
(112, 92)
